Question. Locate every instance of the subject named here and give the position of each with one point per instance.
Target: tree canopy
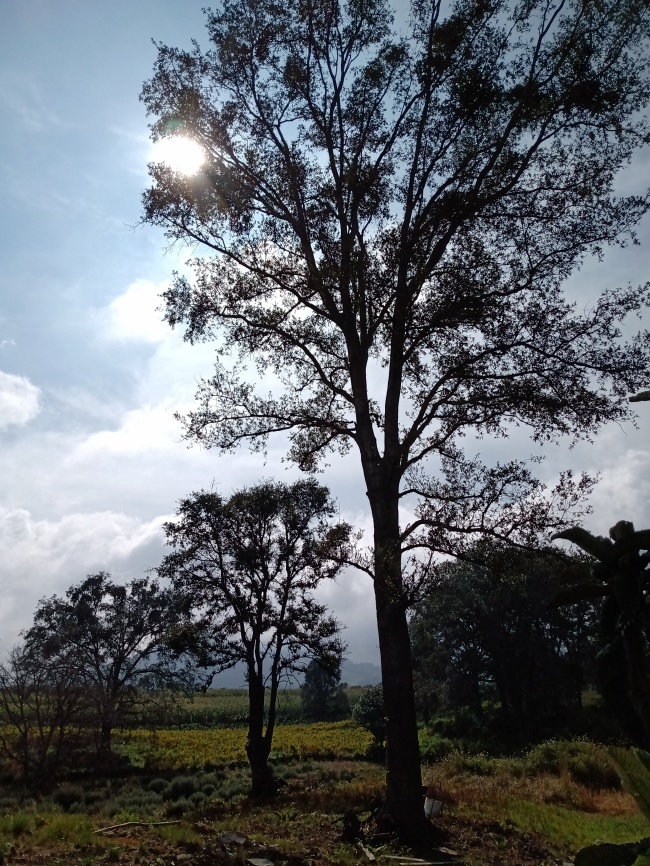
(388, 219)
(109, 637)
(322, 696)
(246, 569)
(491, 630)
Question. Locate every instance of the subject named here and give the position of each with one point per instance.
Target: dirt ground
(461, 841)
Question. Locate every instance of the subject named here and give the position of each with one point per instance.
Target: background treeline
(494, 650)
(497, 663)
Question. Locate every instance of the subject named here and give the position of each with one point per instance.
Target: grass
(546, 802)
(225, 708)
(570, 828)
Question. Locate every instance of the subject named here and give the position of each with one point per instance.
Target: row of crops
(183, 748)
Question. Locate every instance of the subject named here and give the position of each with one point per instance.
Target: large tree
(388, 221)
(111, 638)
(246, 569)
(491, 626)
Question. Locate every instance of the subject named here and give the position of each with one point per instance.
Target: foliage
(619, 575)
(391, 219)
(42, 710)
(370, 714)
(322, 696)
(246, 570)
(110, 639)
(486, 628)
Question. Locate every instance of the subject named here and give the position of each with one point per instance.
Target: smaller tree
(41, 713)
(369, 713)
(322, 695)
(110, 637)
(247, 568)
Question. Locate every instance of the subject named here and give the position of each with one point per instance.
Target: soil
(461, 840)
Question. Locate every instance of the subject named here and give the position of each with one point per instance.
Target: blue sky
(91, 461)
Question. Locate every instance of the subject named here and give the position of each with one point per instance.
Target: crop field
(226, 708)
(171, 749)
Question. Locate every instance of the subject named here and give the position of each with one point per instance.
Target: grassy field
(229, 708)
(177, 749)
(527, 810)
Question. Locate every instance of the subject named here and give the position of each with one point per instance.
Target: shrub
(369, 713)
(434, 748)
(180, 786)
(178, 808)
(66, 794)
(157, 785)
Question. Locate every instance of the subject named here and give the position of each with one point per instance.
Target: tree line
(238, 586)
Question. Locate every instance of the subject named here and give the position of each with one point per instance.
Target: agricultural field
(197, 748)
(217, 708)
(184, 789)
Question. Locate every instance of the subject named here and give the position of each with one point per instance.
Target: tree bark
(258, 747)
(404, 803)
(106, 738)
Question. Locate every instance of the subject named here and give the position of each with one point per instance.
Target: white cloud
(45, 557)
(148, 429)
(622, 493)
(18, 400)
(134, 315)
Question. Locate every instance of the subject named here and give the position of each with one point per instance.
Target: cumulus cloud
(135, 314)
(148, 429)
(622, 493)
(42, 557)
(18, 400)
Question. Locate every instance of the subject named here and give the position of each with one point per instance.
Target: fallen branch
(136, 824)
(368, 853)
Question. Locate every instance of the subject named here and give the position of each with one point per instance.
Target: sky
(91, 457)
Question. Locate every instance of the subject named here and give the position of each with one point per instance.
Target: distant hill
(352, 673)
(360, 673)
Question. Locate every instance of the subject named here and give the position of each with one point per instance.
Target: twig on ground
(136, 824)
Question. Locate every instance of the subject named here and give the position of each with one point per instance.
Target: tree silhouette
(388, 222)
(322, 697)
(109, 637)
(246, 569)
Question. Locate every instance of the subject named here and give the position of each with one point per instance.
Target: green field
(218, 708)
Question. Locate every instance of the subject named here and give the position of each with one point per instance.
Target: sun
(180, 153)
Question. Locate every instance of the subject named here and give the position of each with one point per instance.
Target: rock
(231, 837)
(607, 854)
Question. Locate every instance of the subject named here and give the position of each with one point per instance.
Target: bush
(434, 747)
(180, 786)
(369, 713)
(65, 795)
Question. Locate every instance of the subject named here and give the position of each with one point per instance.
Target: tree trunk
(257, 746)
(404, 803)
(106, 738)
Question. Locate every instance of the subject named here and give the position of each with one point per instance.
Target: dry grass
(471, 791)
